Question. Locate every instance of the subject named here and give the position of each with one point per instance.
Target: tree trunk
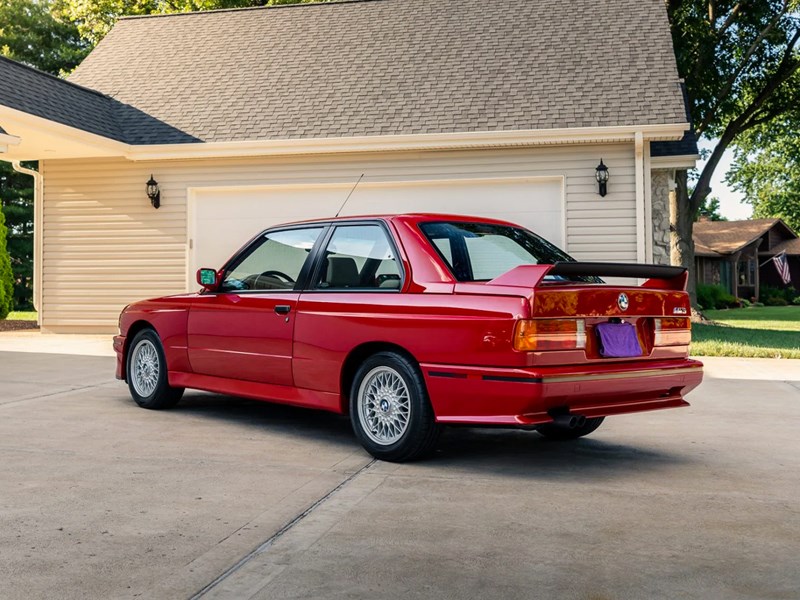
(681, 225)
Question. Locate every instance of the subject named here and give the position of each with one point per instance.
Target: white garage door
(222, 220)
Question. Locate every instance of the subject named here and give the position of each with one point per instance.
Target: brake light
(673, 332)
(549, 334)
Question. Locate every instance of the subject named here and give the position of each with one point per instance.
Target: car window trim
(321, 253)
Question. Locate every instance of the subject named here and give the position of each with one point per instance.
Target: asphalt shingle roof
(687, 146)
(37, 93)
(376, 67)
(727, 237)
(365, 67)
(43, 95)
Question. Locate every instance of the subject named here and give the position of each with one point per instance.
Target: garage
(221, 220)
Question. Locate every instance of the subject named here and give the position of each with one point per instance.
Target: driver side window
(274, 263)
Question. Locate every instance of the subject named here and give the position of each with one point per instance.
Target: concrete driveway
(227, 498)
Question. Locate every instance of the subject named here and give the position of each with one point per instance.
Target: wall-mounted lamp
(601, 174)
(153, 192)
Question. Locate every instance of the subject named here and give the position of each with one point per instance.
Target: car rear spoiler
(657, 276)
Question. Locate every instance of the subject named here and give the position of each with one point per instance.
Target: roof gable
(388, 67)
(727, 237)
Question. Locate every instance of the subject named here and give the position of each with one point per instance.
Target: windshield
(482, 251)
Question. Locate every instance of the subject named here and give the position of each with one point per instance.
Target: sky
(729, 200)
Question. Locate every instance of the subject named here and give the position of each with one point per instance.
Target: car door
(354, 295)
(244, 330)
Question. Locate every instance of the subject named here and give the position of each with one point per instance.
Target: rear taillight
(549, 334)
(673, 332)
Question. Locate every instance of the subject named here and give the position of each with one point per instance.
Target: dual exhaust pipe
(569, 421)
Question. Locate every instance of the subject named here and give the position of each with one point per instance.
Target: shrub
(6, 275)
(744, 302)
(796, 301)
(715, 297)
(772, 296)
(776, 301)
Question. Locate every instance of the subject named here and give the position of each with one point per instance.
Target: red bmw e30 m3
(412, 322)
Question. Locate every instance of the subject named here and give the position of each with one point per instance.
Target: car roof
(405, 218)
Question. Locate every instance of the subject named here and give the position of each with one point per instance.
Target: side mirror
(208, 279)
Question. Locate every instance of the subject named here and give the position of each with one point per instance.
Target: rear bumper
(523, 397)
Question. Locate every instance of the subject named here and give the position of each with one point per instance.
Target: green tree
(16, 199)
(710, 210)
(740, 62)
(767, 170)
(6, 275)
(31, 32)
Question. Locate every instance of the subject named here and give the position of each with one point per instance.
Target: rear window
(481, 251)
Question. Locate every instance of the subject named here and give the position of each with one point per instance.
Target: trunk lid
(658, 310)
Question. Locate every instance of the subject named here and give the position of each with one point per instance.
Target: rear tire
(390, 411)
(147, 373)
(559, 432)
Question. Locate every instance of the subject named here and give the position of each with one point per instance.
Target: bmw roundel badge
(622, 301)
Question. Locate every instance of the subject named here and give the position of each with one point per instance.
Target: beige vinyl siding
(104, 246)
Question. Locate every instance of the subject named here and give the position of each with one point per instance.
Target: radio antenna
(348, 195)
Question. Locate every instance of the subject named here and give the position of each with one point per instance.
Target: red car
(412, 322)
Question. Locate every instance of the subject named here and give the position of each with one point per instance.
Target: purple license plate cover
(618, 340)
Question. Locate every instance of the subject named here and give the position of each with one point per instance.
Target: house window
(725, 275)
(747, 272)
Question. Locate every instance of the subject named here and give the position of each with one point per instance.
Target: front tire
(147, 373)
(560, 432)
(390, 411)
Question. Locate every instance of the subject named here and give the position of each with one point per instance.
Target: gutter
(408, 142)
(38, 187)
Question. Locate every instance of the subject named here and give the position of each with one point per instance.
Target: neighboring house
(737, 254)
(248, 118)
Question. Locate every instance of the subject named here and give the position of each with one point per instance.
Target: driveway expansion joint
(52, 395)
(269, 542)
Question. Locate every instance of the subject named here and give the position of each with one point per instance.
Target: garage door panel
(535, 204)
(222, 220)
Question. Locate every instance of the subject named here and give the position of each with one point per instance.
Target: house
(248, 118)
(738, 254)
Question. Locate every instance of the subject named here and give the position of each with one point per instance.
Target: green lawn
(756, 332)
(21, 316)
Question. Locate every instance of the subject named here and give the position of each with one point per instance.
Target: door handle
(283, 309)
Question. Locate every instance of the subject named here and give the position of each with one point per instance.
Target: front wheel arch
(135, 328)
(150, 389)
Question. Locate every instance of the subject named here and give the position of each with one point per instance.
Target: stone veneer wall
(659, 192)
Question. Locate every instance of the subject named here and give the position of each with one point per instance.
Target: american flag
(782, 264)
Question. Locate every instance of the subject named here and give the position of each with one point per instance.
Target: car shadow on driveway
(268, 417)
(526, 454)
(461, 450)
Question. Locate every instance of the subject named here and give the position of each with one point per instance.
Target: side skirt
(266, 392)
